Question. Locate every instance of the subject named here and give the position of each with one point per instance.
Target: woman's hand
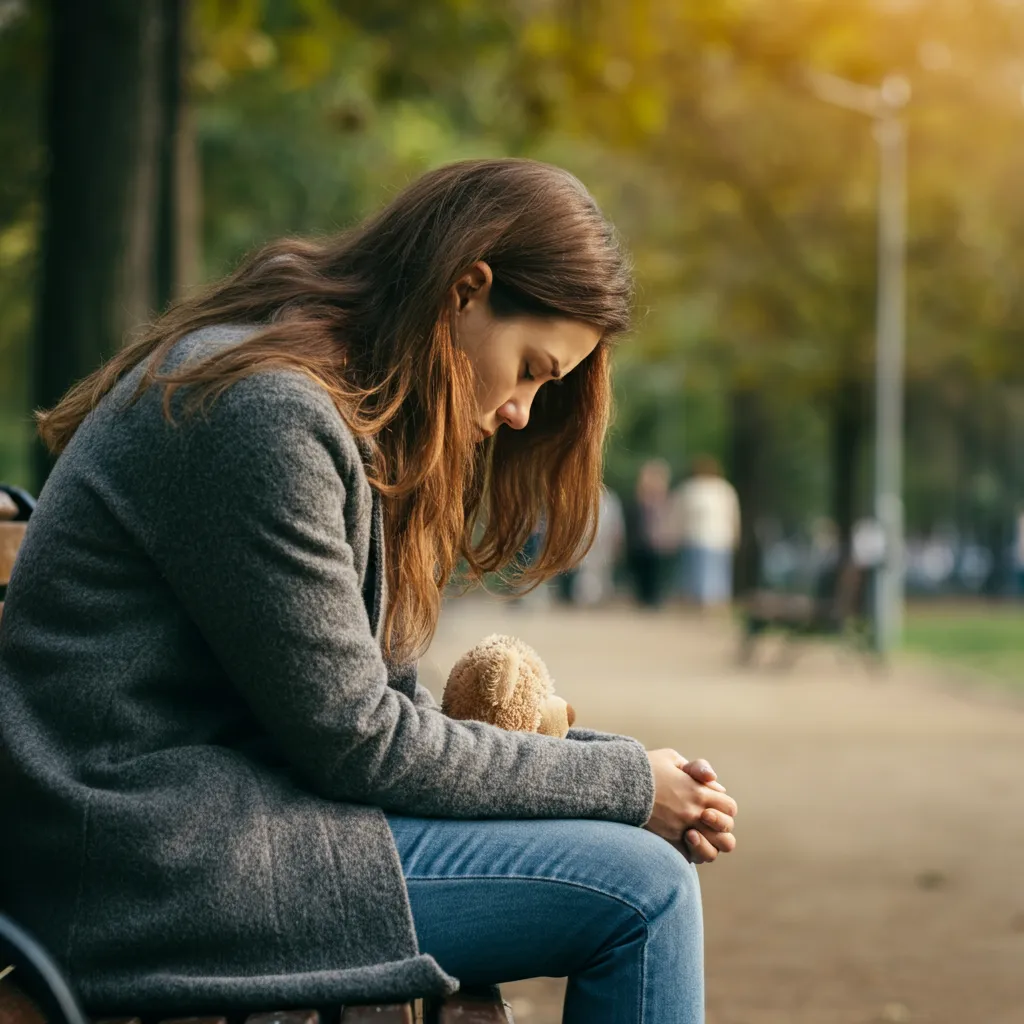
(691, 808)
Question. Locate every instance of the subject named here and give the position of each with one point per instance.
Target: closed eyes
(555, 373)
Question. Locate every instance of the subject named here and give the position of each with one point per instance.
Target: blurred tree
(110, 251)
(22, 69)
(749, 205)
(774, 202)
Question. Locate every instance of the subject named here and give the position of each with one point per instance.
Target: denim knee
(652, 876)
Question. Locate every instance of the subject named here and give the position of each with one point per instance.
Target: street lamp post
(884, 105)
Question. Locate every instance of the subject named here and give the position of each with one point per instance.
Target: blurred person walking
(592, 582)
(647, 537)
(705, 521)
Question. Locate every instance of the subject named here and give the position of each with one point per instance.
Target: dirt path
(880, 873)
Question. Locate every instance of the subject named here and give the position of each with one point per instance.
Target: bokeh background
(148, 144)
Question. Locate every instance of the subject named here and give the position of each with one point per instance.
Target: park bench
(838, 608)
(33, 990)
(15, 508)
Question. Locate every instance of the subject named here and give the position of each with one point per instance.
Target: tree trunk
(746, 461)
(105, 239)
(177, 252)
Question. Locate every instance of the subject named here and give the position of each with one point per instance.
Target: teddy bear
(504, 682)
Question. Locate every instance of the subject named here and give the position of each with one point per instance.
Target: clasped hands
(692, 811)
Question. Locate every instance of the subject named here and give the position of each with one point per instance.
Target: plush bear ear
(501, 675)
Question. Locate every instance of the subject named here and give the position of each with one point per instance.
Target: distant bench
(33, 991)
(839, 608)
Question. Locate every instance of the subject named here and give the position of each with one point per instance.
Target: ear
(473, 286)
(501, 675)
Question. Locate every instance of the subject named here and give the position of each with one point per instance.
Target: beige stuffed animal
(504, 682)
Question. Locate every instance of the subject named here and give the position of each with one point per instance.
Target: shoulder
(278, 409)
(272, 428)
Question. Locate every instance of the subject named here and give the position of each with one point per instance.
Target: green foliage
(747, 203)
(759, 251)
(22, 63)
(310, 118)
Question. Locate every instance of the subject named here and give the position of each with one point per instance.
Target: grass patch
(989, 638)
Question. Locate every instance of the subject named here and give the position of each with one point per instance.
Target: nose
(515, 413)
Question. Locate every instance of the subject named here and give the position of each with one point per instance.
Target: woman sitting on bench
(229, 787)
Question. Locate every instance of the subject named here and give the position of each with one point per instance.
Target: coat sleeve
(594, 735)
(257, 499)
(405, 679)
(423, 698)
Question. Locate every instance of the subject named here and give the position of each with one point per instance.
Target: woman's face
(513, 357)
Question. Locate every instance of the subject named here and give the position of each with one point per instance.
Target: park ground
(880, 869)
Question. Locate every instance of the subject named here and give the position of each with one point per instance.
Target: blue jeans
(610, 906)
(705, 574)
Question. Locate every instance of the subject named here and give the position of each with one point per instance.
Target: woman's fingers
(719, 802)
(717, 820)
(689, 797)
(701, 849)
(702, 846)
(700, 770)
(723, 842)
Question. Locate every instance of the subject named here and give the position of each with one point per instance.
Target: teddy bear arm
(554, 718)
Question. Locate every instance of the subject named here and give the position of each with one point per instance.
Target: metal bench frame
(34, 991)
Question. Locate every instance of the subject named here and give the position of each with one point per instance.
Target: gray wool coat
(199, 734)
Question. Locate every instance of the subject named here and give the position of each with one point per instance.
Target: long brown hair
(367, 315)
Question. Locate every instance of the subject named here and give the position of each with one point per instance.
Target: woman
(647, 541)
(229, 787)
(705, 515)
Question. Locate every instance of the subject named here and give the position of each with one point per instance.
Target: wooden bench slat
(11, 535)
(481, 1007)
(385, 1013)
(16, 1007)
(285, 1017)
(8, 507)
